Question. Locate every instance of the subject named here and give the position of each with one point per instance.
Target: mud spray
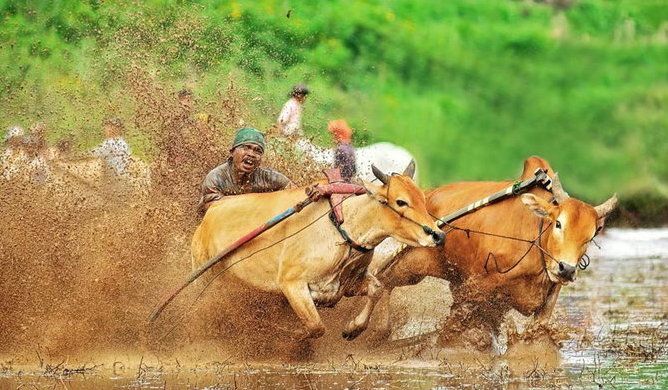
(84, 263)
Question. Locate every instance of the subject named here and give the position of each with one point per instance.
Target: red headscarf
(340, 130)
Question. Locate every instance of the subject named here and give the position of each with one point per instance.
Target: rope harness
(540, 178)
(337, 191)
(582, 264)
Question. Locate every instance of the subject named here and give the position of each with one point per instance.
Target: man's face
(300, 98)
(247, 157)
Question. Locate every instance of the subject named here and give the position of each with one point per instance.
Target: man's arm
(213, 189)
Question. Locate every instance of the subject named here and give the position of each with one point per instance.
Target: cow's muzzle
(438, 237)
(566, 271)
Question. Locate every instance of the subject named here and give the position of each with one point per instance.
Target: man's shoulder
(268, 172)
(272, 175)
(224, 167)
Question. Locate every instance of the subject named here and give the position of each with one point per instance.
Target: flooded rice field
(610, 331)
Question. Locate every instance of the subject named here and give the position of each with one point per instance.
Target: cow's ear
(538, 205)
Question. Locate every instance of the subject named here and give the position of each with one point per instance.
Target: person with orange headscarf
(344, 154)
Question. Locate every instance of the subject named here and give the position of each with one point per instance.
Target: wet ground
(614, 318)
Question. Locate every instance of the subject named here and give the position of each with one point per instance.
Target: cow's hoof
(380, 335)
(305, 334)
(350, 332)
(350, 336)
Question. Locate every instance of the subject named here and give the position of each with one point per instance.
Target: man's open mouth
(248, 163)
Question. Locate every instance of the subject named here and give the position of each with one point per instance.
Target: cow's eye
(401, 203)
(558, 225)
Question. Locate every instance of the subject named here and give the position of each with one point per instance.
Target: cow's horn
(606, 207)
(557, 190)
(410, 169)
(379, 174)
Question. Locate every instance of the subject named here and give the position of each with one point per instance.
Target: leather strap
(335, 200)
(346, 236)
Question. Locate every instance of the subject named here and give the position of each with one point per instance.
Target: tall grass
(470, 87)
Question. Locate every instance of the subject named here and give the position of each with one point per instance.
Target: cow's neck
(361, 220)
(541, 278)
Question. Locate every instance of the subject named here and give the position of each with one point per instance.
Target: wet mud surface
(611, 329)
(85, 261)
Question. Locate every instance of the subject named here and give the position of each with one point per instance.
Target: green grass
(470, 87)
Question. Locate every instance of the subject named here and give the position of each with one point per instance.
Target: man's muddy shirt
(220, 182)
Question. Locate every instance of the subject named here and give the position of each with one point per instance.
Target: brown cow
(303, 257)
(486, 275)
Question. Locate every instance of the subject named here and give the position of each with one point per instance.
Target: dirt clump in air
(85, 261)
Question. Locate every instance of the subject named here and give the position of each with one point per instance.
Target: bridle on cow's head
(533, 243)
(362, 248)
(428, 230)
(583, 262)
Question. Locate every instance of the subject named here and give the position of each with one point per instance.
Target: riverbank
(645, 209)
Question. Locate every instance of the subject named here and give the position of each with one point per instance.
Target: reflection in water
(616, 317)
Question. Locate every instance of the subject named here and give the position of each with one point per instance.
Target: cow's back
(233, 217)
(469, 251)
(258, 261)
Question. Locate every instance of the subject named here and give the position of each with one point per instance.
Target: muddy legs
(374, 291)
(544, 313)
(471, 320)
(300, 300)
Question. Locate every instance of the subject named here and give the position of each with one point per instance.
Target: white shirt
(16, 162)
(12, 161)
(290, 118)
(115, 152)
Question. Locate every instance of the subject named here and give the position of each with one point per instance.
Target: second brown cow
(488, 274)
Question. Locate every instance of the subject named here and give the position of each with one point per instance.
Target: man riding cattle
(241, 173)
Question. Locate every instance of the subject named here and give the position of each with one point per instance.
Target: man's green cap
(248, 135)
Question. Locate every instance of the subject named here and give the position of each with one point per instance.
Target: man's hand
(314, 192)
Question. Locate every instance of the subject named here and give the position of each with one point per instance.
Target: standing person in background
(37, 151)
(14, 157)
(289, 121)
(344, 154)
(114, 150)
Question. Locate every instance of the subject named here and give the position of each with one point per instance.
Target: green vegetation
(470, 87)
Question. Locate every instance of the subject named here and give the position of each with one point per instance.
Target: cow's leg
(374, 291)
(409, 268)
(544, 313)
(300, 300)
(484, 325)
(466, 300)
(385, 322)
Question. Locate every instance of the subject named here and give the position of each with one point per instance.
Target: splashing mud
(85, 261)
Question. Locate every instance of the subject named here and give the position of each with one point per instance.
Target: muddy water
(619, 311)
(613, 322)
